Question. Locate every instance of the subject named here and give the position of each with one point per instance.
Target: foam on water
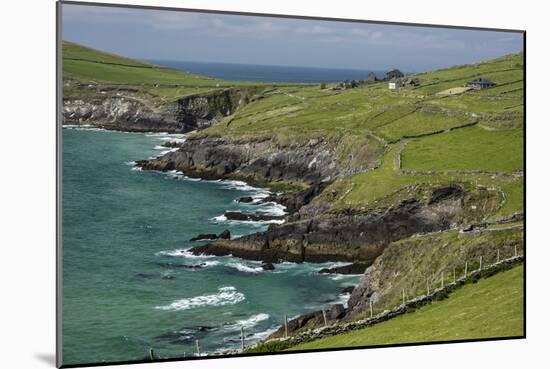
(272, 208)
(226, 296)
(247, 323)
(83, 127)
(183, 253)
(223, 219)
(242, 267)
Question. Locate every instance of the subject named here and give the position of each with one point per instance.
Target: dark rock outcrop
(337, 311)
(245, 199)
(237, 215)
(347, 290)
(204, 237)
(312, 319)
(267, 266)
(132, 113)
(342, 237)
(353, 268)
(225, 235)
(255, 160)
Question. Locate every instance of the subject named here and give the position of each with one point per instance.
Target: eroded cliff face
(410, 264)
(347, 237)
(257, 160)
(130, 113)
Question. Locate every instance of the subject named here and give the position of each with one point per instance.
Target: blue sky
(174, 35)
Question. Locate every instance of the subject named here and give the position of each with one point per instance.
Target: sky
(187, 36)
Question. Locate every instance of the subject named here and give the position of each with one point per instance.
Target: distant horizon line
(149, 60)
(263, 65)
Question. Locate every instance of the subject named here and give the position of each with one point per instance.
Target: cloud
(367, 33)
(316, 29)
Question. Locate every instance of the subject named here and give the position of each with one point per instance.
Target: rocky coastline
(134, 114)
(310, 232)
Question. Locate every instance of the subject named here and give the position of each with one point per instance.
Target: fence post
(286, 326)
(403, 296)
(498, 255)
(427, 286)
(325, 317)
(516, 251)
(454, 274)
(442, 279)
(480, 262)
(242, 338)
(198, 347)
(151, 354)
(370, 306)
(466, 270)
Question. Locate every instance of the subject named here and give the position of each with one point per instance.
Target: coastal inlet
(130, 282)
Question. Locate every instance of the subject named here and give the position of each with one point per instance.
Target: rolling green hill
(84, 69)
(490, 308)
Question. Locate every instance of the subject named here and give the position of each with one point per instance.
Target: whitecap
(247, 323)
(339, 277)
(219, 219)
(226, 296)
(83, 127)
(183, 253)
(245, 268)
(272, 208)
(242, 186)
(210, 263)
(262, 335)
(223, 219)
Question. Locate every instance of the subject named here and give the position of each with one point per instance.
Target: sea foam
(226, 296)
(247, 323)
(245, 268)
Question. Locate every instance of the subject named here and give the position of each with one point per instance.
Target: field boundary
(408, 306)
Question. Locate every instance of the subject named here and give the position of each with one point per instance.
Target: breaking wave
(225, 296)
(247, 323)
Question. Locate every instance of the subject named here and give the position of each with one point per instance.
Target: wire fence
(446, 281)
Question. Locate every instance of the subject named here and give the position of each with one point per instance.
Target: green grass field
(500, 151)
(491, 308)
(90, 73)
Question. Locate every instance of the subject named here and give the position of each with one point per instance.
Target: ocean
(128, 282)
(268, 73)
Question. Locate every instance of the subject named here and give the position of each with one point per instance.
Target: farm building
(411, 82)
(395, 83)
(480, 83)
(371, 78)
(396, 73)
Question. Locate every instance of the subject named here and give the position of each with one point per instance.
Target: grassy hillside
(490, 308)
(92, 73)
(412, 129)
(500, 151)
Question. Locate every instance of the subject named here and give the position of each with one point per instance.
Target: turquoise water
(127, 280)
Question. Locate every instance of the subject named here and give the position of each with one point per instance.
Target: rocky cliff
(341, 236)
(130, 113)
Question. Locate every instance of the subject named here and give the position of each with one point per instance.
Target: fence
(471, 272)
